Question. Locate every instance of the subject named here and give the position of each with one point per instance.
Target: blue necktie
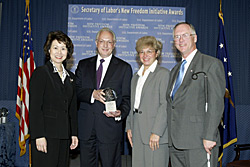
(179, 78)
(99, 74)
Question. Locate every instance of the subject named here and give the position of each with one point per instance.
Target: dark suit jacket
(53, 105)
(90, 115)
(188, 123)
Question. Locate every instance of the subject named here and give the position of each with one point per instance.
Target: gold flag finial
(27, 2)
(220, 13)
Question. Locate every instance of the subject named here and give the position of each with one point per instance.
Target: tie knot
(102, 60)
(184, 62)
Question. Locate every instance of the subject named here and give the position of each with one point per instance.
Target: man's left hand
(114, 114)
(208, 145)
(74, 142)
(154, 142)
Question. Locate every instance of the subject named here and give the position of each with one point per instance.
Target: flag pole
(221, 17)
(29, 153)
(27, 8)
(228, 122)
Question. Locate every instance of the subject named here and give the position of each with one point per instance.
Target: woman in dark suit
(53, 105)
(147, 121)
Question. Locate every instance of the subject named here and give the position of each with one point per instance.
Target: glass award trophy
(3, 115)
(110, 103)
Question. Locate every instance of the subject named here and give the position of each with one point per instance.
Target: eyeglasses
(148, 52)
(183, 36)
(102, 42)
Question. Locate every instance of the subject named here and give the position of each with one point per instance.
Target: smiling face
(105, 44)
(186, 40)
(147, 56)
(58, 52)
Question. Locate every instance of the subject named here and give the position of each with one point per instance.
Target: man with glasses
(101, 132)
(195, 98)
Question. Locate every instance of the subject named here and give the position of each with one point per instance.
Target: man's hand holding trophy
(110, 103)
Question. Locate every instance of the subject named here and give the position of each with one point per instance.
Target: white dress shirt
(189, 60)
(105, 65)
(141, 81)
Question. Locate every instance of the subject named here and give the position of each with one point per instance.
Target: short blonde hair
(148, 41)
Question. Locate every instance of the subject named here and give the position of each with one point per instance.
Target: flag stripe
(26, 67)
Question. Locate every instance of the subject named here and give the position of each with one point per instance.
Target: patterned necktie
(179, 78)
(99, 74)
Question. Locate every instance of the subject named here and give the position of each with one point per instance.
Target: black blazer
(53, 105)
(90, 115)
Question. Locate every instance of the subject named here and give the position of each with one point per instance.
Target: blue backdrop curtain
(49, 15)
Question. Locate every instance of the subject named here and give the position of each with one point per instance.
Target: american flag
(26, 67)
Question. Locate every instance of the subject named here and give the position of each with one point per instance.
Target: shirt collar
(56, 70)
(107, 59)
(150, 69)
(190, 57)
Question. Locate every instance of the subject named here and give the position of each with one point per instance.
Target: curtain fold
(47, 15)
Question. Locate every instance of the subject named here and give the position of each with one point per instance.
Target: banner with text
(129, 24)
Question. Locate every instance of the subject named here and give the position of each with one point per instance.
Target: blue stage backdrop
(129, 24)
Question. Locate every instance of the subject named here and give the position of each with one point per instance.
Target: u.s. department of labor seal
(74, 9)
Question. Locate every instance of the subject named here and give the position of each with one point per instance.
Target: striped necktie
(179, 78)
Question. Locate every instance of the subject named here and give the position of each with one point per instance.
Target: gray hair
(190, 25)
(106, 29)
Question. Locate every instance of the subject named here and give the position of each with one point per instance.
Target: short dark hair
(60, 37)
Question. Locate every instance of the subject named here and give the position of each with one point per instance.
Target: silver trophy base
(3, 120)
(110, 106)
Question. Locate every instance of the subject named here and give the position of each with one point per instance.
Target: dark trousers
(57, 154)
(110, 153)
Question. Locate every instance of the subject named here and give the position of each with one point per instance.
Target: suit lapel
(188, 76)
(68, 79)
(148, 81)
(55, 78)
(134, 83)
(92, 70)
(133, 88)
(174, 73)
(113, 65)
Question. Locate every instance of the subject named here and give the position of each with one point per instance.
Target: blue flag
(228, 123)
